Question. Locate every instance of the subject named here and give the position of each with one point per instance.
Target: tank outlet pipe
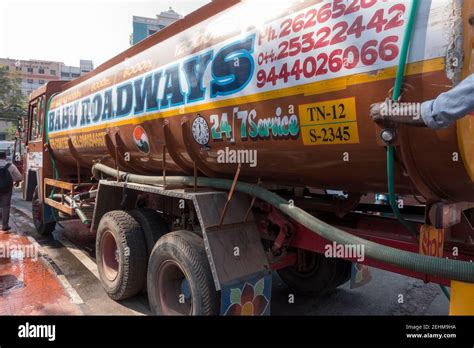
(72, 203)
(85, 195)
(435, 266)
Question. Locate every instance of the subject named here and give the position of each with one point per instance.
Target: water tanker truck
(237, 142)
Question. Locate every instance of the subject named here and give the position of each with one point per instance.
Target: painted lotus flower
(248, 301)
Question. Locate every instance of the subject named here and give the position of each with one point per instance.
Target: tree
(12, 101)
(11, 131)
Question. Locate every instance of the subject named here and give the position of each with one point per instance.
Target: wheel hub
(110, 256)
(174, 292)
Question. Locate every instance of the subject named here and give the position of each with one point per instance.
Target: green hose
(72, 203)
(397, 91)
(391, 191)
(396, 95)
(446, 292)
(435, 266)
(391, 149)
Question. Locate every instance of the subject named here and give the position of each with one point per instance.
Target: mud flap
(238, 262)
(250, 296)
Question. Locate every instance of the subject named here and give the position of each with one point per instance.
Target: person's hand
(391, 113)
(375, 113)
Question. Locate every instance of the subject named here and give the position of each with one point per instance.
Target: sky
(69, 30)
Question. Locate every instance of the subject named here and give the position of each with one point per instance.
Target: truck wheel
(152, 225)
(345, 274)
(321, 274)
(121, 255)
(43, 228)
(179, 277)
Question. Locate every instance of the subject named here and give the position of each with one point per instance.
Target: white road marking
(78, 253)
(36, 244)
(73, 295)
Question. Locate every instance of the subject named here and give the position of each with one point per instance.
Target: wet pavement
(71, 251)
(28, 284)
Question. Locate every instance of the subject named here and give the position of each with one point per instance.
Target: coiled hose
(435, 266)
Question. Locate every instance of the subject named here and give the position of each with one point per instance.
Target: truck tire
(345, 274)
(152, 224)
(43, 228)
(121, 255)
(179, 277)
(321, 276)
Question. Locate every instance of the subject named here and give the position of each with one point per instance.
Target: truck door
(34, 155)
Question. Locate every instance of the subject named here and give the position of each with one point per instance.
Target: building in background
(35, 73)
(4, 126)
(72, 72)
(144, 26)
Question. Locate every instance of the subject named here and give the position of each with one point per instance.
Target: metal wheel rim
(312, 264)
(110, 256)
(170, 278)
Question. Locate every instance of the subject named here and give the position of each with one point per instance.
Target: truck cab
(37, 160)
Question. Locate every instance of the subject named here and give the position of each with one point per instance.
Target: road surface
(71, 252)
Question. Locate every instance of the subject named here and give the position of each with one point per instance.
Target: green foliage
(12, 102)
(11, 131)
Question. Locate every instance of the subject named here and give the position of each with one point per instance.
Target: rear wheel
(318, 274)
(121, 255)
(179, 277)
(42, 227)
(344, 274)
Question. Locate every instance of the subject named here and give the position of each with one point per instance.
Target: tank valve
(388, 135)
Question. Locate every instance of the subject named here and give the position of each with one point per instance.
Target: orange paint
(432, 241)
(247, 309)
(462, 299)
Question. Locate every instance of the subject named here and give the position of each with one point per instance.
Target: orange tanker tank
(285, 88)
